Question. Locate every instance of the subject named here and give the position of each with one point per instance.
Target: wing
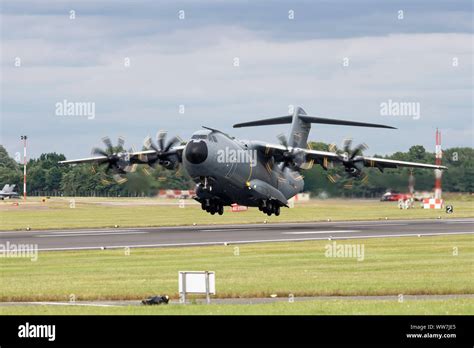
(324, 157)
(134, 158)
(138, 157)
(382, 163)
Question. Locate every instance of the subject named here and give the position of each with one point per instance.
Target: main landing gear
(212, 206)
(270, 207)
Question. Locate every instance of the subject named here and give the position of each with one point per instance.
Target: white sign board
(194, 282)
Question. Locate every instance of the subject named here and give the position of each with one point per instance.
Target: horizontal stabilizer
(309, 119)
(266, 122)
(321, 120)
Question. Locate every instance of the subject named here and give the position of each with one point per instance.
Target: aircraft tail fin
(5, 188)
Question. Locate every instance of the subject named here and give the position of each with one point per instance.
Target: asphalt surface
(251, 300)
(232, 234)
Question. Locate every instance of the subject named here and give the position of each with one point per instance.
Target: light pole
(24, 137)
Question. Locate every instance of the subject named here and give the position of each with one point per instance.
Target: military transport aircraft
(251, 173)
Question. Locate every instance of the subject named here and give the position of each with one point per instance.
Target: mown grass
(318, 307)
(88, 212)
(392, 266)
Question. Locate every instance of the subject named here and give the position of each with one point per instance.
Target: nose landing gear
(270, 207)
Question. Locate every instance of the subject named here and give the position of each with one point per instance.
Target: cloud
(191, 63)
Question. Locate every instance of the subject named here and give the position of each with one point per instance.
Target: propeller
(117, 161)
(162, 156)
(352, 160)
(292, 157)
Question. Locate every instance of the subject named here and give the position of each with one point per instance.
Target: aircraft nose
(196, 152)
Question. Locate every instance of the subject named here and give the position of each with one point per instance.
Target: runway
(243, 300)
(109, 238)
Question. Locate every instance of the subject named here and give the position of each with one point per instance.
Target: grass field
(330, 307)
(391, 266)
(141, 212)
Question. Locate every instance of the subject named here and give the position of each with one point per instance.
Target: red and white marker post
(438, 172)
(24, 137)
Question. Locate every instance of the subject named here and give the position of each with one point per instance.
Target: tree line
(47, 177)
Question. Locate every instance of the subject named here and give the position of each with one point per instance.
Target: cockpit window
(199, 136)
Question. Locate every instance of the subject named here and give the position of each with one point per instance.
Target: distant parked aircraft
(7, 192)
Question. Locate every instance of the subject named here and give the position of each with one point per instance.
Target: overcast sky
(425, 57)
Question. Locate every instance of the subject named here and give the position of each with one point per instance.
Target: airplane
(7, 192)
(251, 173)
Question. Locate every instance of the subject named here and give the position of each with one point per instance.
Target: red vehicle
(394, 196)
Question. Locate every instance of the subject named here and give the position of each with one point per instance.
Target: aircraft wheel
(270, 207)
(220, 209)
(277, 210)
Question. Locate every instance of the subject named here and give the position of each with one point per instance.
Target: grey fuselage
(233, 171)
(4, 195)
